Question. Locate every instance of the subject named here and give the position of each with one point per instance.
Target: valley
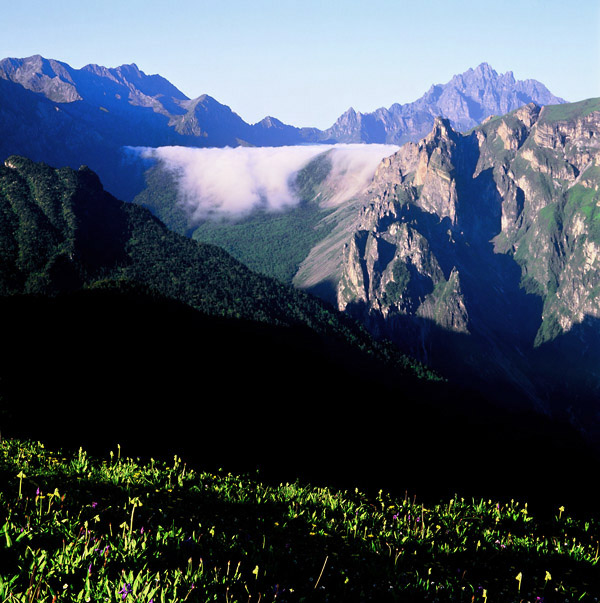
(456, 251)
(407, 301)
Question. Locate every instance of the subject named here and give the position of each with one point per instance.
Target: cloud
(230, 182)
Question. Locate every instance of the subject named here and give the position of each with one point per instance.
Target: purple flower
(94, 505)
(126, 590)
(395, 516)
(37, 492)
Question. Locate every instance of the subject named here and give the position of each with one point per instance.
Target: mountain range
(52, 112)
(119, 331)
(475, 252)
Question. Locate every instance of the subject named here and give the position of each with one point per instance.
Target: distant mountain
(466, 100)
(52, 112)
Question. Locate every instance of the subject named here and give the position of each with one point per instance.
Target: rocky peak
(528, 114)
(484, 72)
(442, 130)
(492, 235)
(466, 100)
(51, 78)
(348, 118)
(270, 122)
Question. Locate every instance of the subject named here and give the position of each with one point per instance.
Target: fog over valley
(231, 182)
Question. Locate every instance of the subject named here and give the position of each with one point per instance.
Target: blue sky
(305, 62)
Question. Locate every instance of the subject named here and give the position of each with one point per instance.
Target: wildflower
(94, 505)
(126, 590)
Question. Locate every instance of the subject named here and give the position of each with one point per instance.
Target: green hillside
(271, 243)
(61, 232)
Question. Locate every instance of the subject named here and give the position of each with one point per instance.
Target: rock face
(480, 253)
(466, 100)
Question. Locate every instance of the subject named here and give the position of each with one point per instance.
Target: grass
(74, 528)
(565, 112)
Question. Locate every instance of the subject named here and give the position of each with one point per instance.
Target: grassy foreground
(73, 528)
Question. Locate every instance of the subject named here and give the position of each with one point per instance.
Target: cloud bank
(231, 182)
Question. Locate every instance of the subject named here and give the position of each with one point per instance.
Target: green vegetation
(395, 288)
(549, 330)
(60, 232)
(569, 111)
(584, 201)
(74, 528)
(160, 197)
(272, 243)
(552, 216)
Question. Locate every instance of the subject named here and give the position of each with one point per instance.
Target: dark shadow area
(98, 369)
(326, 290)
(567, 371)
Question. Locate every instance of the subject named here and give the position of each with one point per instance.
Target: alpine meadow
(349, 354)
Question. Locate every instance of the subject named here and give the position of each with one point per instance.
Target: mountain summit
(466, 100)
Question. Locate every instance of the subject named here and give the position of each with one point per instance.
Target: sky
(306, 61)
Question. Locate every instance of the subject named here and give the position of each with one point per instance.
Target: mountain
(52, 112)
(119, 331)
(466, 100)
(479, 253)
(119, 320)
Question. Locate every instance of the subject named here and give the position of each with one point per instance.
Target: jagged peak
(528, 113)
(485, 68)
(442, 127)
(271, 122)
(130, 69)
(132, 66)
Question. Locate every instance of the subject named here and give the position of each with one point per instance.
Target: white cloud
(229, 182)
